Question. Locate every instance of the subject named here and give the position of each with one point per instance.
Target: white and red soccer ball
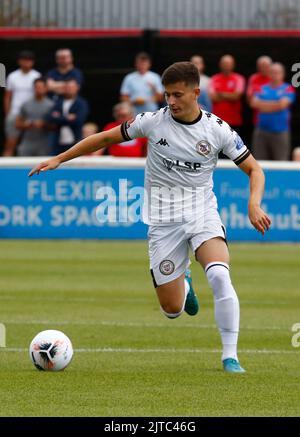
(51, 350)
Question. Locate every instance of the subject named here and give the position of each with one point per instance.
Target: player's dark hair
(181, 72)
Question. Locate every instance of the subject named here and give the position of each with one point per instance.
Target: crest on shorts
(203, 147)
(166, 267)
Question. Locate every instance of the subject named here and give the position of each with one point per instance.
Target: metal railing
(151, 14)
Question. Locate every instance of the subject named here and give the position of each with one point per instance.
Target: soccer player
(184, 143)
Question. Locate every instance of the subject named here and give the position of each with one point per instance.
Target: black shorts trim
(224, 232)
(153, 279)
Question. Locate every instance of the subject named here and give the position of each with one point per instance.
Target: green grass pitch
(131, 361)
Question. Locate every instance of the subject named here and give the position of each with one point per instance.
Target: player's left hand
(259, 219)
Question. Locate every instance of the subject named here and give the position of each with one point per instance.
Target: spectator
(204, 99)
(134, 148)
(226, 90)
(32, 122)
(258, 79)
(142, 88)
(89, 129)
(19, 89)
(296, 154)
(68, 116)
(64, 71)
(271, 138)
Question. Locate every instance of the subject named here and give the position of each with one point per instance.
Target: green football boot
(191, 304)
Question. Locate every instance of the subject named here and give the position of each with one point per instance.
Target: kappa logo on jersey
(203, 147)
(166, 267)
(163, 142)
(186, 166)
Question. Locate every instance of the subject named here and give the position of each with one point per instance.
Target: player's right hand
(51, 164)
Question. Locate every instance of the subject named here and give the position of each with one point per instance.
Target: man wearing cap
(19, 89)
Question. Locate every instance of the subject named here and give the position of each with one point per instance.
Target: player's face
(182, 99)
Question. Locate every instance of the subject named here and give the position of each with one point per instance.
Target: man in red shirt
(258, 80)
(226, 90)
(135, 148)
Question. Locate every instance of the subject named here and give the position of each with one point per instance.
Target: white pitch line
(66, 299)
(138, 324)
(171, 350)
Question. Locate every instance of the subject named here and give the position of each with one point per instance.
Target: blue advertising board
(73, 203)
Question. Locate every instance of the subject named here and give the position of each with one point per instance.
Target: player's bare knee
(172, 310)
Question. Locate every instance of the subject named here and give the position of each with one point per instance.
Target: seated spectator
(32, 122)
(142, 88)
(68, 116)
(204, 99)
(271, 138)
(64, 71)
(296, 154)
(135, 148)
(89, 129)
(19, 89)
(226, 90)
(258, 79)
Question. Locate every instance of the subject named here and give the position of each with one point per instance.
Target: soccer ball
(51, 350)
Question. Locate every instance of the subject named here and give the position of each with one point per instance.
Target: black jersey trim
(188, 122)
(124, 131)
(242, 157)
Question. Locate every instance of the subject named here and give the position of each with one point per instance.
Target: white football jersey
(180, 163)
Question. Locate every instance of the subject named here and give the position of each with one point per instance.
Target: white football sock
(227, 309)
(175, 315)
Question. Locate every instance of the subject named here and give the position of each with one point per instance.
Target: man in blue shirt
(64, 71)
(142, 88)
(67, 117)
(271, 138)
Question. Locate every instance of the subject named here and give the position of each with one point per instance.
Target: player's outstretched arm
(257, 216)
(85, 147)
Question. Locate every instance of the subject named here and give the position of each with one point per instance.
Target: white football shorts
(169, 245)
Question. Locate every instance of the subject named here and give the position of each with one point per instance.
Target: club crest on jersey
(203, 147)
(166, 267)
